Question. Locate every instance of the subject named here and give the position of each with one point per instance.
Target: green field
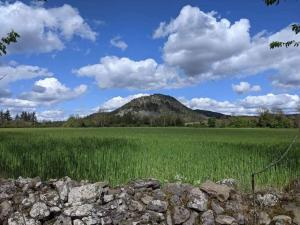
(121, 154)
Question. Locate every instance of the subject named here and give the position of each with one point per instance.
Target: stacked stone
(28, 201)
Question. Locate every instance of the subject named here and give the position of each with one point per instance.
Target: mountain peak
(157, 105)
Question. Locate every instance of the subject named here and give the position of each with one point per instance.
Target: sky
(77, 57)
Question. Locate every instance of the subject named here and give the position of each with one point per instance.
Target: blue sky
(76, 57)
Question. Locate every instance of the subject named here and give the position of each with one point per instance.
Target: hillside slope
(157, 106)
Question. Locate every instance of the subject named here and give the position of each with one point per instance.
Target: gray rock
(27, 183)
(91, 220)
(51, 198)
(180, 215)
(146, 199)
(159, 194)
(193, 220)
(151, 183)
(222, 192)
(78, 222)
(88, 193)
(5, 210)
(63, 220)
(63, 188)
(114, 204)
(106, 221)
(29, 201)
(55, 209)
(217, 208)
(294, 207)
(198, 200)
(177, 189)
(264, 218)
(223, 219)
(169, 218)
(39, 211)
(152, 217)
(230, 182)
(19, 219)
(108, 198)
(267, 200)
(232, 206)
(124, 195)
(282, 220)
(79, 211)
(158, 206)
(208, 218)
(176, 200)
(136, 206)
(7, 190)
(122, 208)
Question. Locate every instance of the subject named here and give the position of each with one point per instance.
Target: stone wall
(67, 202)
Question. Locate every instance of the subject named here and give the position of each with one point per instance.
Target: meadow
(118, 155)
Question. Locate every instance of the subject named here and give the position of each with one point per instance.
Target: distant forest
(266, 118)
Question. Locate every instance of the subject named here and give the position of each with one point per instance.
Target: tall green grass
(121, 154)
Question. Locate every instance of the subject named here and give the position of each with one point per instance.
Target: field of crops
(121, 154)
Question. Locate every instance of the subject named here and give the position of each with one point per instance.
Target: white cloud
(197, 40)
(17, 105)
(117, 102)
(225, 107)
(209, 48)
(51, 115)
(115, 72)
(248, 105)
(50, 91)
(41, 29)
(15, 72)
(99, 22)
(119, 43)
(285, 102)
(244, 87)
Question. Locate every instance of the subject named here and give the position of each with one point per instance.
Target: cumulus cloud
(244, 87)
(41, 29)
(115, 72)
(119, 43)
(117, 102)
(209, 48)
(50, 91)
(17, 105)
(14, 72)
(248, 105)
(51, 115)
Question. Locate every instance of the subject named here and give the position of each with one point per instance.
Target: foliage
(121, 154)
(5, 41)
(211, 122)
(274, 119)
(265, 118)
(129, 119)
(295, 28)
(25, 119)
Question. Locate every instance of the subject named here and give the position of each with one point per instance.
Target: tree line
(19, 120)
(265, 119)
(129, 119)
